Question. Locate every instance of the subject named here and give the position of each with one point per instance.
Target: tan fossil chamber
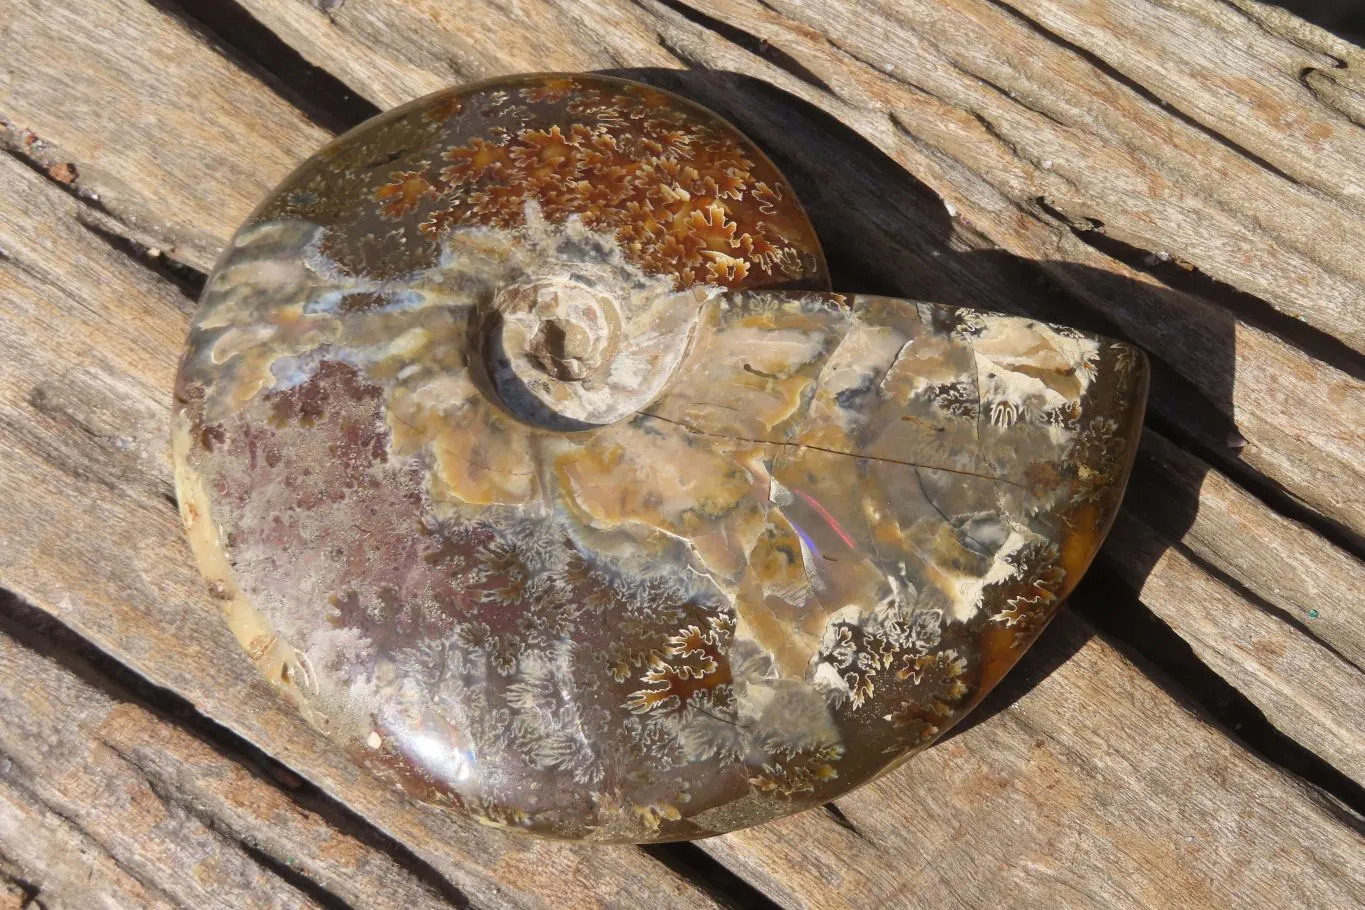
(528, 454)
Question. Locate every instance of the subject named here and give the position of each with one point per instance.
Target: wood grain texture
(1271, 607)
(1032, 138)
(1277, 563)
(147, 814)
(1186, 174)
(90, 534)
(1303, 686)
(134, 97)
(964, 147)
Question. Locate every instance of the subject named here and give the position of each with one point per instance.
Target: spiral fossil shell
(529, 457)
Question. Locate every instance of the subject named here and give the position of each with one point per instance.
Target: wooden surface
(1188, 174)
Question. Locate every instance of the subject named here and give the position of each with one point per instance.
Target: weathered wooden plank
(1252, 96)
(1242, 370)
(1278, 563)
(391, 52)
(980, 133)
(1279, 19)
(1271, 607)
(41, 840)
(90, 534)
(150, 815)
(1026, 811)
(1304, 688)
(884, 227)
(148, 110)
(1161, 182)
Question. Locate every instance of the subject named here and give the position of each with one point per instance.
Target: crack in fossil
(802, 445)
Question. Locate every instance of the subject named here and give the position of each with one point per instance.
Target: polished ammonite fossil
(527, 454)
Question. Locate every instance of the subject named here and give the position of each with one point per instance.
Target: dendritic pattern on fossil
(525, 455)
(682, 192)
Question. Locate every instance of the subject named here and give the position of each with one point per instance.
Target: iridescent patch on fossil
(527, 453)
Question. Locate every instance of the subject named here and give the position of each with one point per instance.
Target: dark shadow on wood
(230, 29)
(302, 883)
(1171, 662)
(1054, 647)
(1343, 18)
(187, 279)
(706, 872)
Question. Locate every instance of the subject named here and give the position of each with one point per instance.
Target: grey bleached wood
(1272, 608)
(1303, 687)
(1241, 82)
(147, 814)
(1021, 154)
(1278, 20)
(41, 845)
(1025, 140)
(147, 110)
(90, 416)
(1279, 563)
(89, 533)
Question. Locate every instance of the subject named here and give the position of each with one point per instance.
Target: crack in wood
(92, 213)
(44, 159)
(1346, 101)
(843, 821)
(186, 278)
(1261, 603)
(232, 839)
(233, 31)
(1264, 489)
(1116, 610)
(1122, 78)
(724, 885)
(903, 233)
(315, 890)
(140, 876)
(1187, 279)
(759, 47)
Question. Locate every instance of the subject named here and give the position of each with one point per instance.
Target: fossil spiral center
(576, 349)
(564, 329)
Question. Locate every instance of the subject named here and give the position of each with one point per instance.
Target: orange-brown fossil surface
(528, 454)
